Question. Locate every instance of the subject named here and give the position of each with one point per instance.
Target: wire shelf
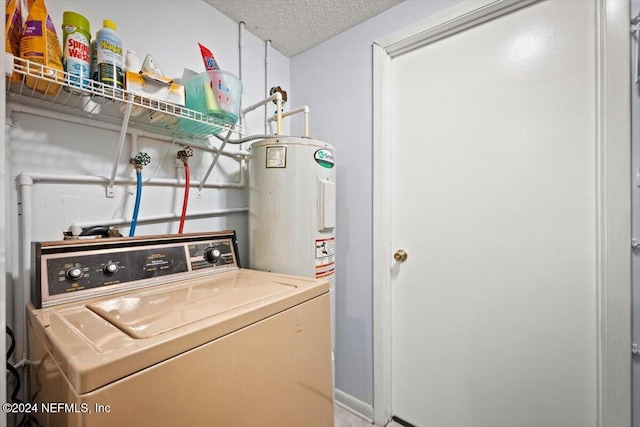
(63, 92)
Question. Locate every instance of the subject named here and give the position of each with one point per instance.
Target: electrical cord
(96, 230)
(16, 389)
(14, 394)
(10, 368)
(26, 421)
(12, 346)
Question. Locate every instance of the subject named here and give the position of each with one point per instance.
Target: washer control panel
(71, 270)
(205, 255)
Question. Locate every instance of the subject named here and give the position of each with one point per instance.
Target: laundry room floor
(344, 418)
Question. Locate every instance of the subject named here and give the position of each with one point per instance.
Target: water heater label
(325, 158)
(276, 157)
(325, 257)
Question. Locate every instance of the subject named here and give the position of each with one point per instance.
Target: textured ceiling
(294, 26)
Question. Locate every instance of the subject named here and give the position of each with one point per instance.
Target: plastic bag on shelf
(39, 44)
(12, 30)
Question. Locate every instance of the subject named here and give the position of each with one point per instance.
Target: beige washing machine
(170, 331)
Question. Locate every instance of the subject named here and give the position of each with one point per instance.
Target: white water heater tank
(292, 209)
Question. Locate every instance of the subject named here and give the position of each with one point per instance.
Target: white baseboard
(351, 404)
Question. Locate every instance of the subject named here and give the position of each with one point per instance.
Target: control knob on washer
(110, 268)
(74, 273)
(212, 254)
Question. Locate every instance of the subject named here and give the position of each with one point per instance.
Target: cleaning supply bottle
(94, 58)
(76, 56)
(110, 56)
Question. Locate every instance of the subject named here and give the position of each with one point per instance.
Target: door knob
(400, 255)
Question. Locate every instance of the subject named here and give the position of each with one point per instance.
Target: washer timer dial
(110, 268)
(74, 273)
(212, 254)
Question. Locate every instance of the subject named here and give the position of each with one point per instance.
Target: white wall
(335, 80)
(170, 31)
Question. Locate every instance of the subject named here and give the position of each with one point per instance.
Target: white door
(494, 200)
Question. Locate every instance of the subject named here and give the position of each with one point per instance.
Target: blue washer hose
(136, 208)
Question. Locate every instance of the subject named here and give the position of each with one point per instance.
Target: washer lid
(105, 339)
(150, 313)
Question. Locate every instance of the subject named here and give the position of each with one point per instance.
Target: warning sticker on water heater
(276, 157)
(325, 257)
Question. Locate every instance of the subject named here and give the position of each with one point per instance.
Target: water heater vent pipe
(240, 58)
(275, 97)
(304, 109)
(267, 45)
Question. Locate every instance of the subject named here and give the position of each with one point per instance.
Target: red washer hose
(186, 197)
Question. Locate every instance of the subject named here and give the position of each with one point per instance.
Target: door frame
(5, 66)
(613, 195)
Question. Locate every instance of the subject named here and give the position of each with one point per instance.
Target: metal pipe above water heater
(267, 46)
